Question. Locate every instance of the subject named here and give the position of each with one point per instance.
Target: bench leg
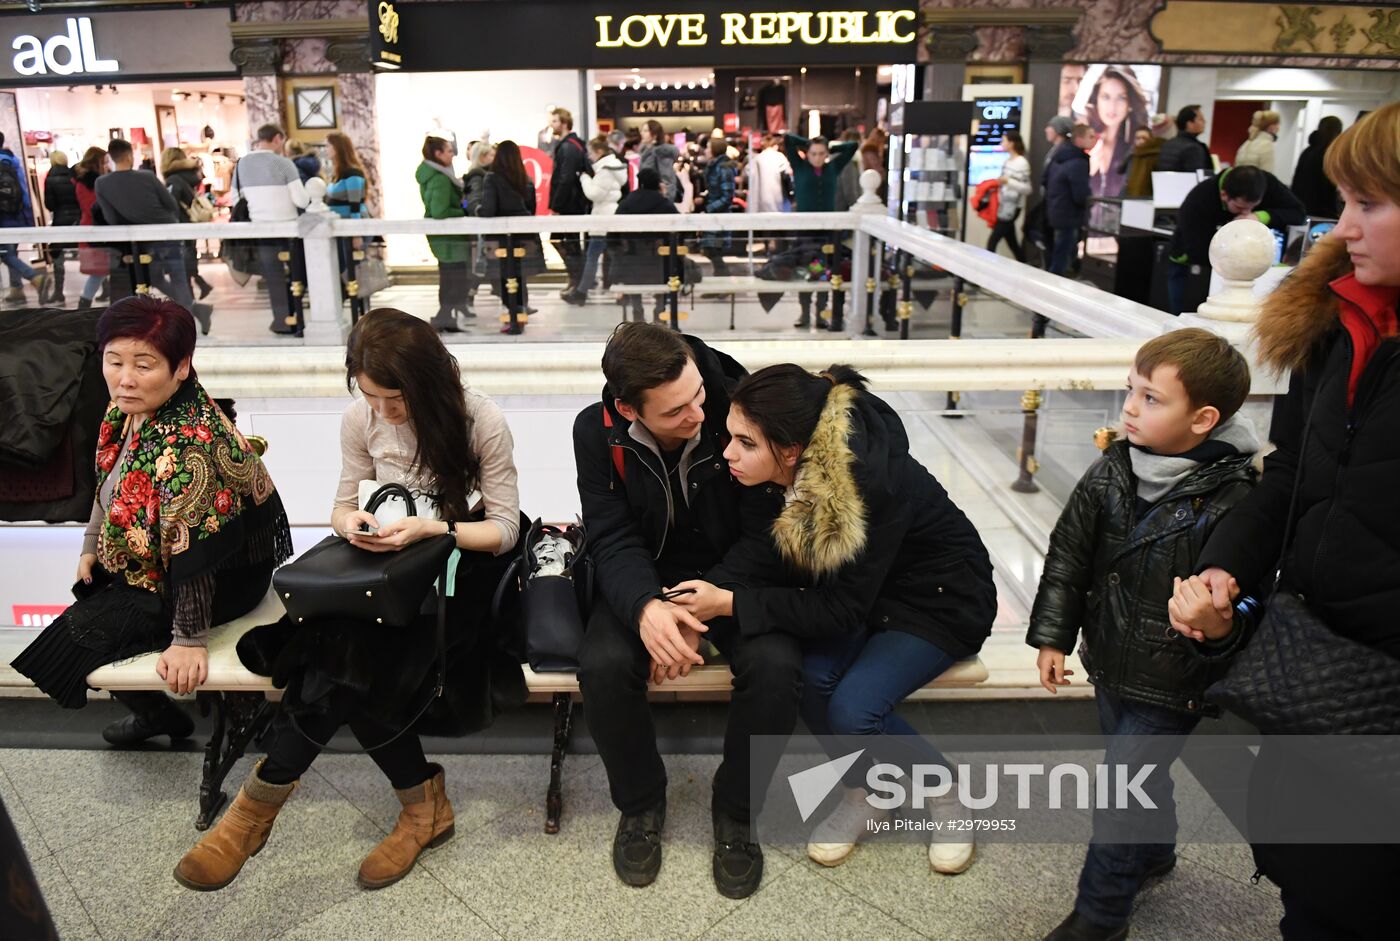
(238, 718)
(563, 723)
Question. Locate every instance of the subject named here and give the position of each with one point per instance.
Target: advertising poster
(1118, 102)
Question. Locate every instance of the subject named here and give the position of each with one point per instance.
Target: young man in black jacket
(1238, 193)
(566, 196)
(1186, 153)
(1135, 524)
(661, 507)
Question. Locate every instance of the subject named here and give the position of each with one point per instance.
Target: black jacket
(61, 196)
(566, 196)
(182, 185)
(1310, 182)
(628, 519)
(1184, 153)
(871, 537)
(1345, 556)
(632, 255)
(1202, 212)
(499, 198)
(1109, 573)
(473, 186)
(1067, 188)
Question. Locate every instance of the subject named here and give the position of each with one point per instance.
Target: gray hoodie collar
(1158, 474)
(445, 171)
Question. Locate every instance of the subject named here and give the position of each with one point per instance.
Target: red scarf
(1369, 315)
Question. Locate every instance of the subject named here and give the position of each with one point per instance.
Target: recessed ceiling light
(622, 86)
(663, 85)
(690, 85)
(704, 84)
(636, 69)
(650, 86)
(597, 87)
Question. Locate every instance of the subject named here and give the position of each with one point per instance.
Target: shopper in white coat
(604, 189)
(1011, 194)
(1258, 150)
(766, 169)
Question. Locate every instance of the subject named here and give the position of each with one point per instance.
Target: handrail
(1084, 307)
(572, 368)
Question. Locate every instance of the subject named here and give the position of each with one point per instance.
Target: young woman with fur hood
(1333, 323)
(853, 545)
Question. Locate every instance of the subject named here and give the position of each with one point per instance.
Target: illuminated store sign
(569, 34)
(805, 27)
(45, 48)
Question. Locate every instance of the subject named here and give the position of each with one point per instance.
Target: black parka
(627, 516)
(1109, 573)
(872, 539)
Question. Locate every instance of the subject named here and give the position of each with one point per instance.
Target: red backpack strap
(617, 450)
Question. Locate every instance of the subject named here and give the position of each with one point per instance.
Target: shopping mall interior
(986, 208)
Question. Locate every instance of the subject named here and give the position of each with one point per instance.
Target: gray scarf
(1158, 474)
(445, 171)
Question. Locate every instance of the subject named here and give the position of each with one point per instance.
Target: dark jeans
(1062, 254)
(291, 752)
(570, 248)
(1138, 734)
(167, 272)
(851, 685)
(454, 287)
(1006, 229)
(275, 274)
(613, 670)
(1178, 276)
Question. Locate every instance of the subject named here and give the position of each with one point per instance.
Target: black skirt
(112, 621)
(392, 672)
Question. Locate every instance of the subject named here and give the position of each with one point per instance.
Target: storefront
(619, 64)
(77, 81)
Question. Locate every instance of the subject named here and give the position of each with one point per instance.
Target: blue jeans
(1066, 244)
(167, 272)
(596, 245)
(851, 685)
(19, 268)
(1178, 276)
(1113, 873)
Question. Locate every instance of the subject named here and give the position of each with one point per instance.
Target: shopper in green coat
(441, 190)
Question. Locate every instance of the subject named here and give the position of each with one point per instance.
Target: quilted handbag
(1298, 676)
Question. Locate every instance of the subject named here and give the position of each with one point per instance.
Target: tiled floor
(104, 829)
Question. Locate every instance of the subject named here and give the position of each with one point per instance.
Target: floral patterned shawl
(190, 495)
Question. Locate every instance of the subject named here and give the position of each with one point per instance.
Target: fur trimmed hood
(824, 525)
(1302, 310)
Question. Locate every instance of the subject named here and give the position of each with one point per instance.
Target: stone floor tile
(801, 904)
(411, 910)
(69, 917)
(29, 834)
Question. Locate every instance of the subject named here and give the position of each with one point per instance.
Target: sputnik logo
(810, 787)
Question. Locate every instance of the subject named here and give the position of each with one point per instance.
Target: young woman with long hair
(1116, 108)
(413, 423)
(507, 191)
(865, 557)
(1015, 187)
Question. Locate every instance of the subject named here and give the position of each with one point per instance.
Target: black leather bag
(552, 607)
(335, 580)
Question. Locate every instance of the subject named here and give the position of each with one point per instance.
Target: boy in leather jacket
(1135, 524)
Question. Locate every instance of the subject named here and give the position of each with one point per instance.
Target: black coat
(499, 198)
(566, 196)
(1067, 188)
(1109, 573)
(473, 186)
(1310, 183)
(183, 185)
(1203, 212)
(633, 258)
(1345, 556)
(628, 519)
(61, 196)
(1184, 153)
(870, 542)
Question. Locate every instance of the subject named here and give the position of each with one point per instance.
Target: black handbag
(553, 607)
(1296, 675)
(334, 580)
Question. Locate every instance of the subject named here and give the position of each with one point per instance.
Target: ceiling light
(650, 86)
(663, 85)
(704, 84)
(621, 86)
(690, 85)
(597, 87)
(634, 69)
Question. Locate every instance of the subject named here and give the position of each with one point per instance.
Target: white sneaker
(835, 838)
(944, 854)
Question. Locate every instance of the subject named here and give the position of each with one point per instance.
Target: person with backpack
(16, 212)
(566, 195)
(61, 200)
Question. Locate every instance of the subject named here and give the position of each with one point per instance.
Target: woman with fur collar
(852, 544)
(1333, 323)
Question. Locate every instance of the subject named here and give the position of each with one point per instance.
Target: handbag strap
(1291, 520)
(388, 490)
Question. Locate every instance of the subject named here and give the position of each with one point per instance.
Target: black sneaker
(1078, 928)
(1161, 869)
(637, 846)
(738, 861)
(137, 728)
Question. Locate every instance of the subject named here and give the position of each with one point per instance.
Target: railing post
(140, 269)
(860, 272)
(514, 318)
(905, 312)
(317, 256)
(1025, 456)
(673, 269)
(353, 256)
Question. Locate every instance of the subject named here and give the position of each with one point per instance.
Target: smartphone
(364, 530)
(672, 595)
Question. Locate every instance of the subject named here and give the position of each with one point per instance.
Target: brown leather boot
(216, 859)
(425, 821)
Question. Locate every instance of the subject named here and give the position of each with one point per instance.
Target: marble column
(356, 113)
(258, 60)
